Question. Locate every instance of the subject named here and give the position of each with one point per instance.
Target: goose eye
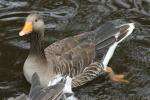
(36, 20)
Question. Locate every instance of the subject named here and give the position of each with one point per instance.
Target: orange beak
(26, 29)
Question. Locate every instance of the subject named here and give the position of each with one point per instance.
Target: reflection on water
(67, 17)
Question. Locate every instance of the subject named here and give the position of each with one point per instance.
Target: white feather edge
(67, 87)
(56, 80)
(71, 98)
(112, 48)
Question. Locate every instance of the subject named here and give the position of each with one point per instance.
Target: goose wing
(74, 56)
(60, 47)
(102, 37)
(89, 73)
(71, 55)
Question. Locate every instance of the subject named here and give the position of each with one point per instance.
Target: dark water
(68, 17)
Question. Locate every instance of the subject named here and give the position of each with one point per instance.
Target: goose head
(34, 23)
(34, 27)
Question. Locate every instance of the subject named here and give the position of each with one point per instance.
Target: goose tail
(124, 31)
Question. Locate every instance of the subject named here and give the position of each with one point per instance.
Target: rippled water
(68, 17)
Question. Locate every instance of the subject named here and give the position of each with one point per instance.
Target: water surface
(69, 17)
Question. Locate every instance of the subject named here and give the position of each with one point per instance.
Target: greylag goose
(75, 55)
(61, 91)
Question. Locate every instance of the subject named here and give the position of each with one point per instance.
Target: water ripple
(66, 17)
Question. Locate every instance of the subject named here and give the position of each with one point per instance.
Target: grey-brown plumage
(55, 92)
(51, 93)
(73, 56)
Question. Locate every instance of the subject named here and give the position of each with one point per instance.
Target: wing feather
(89, 73)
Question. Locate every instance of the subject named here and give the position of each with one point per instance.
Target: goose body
(74, 56)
